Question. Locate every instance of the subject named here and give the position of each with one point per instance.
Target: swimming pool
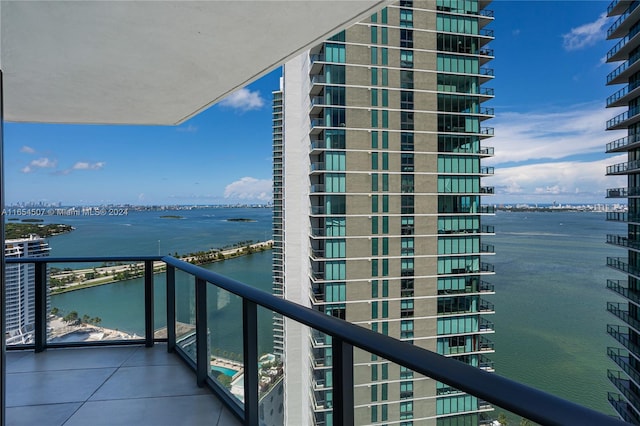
(228, 371)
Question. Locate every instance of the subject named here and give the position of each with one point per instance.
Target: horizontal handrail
(523, 400)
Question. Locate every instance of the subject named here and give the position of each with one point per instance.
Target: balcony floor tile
(51, 414)
(169, 411)
(149, 381)
(107, 386)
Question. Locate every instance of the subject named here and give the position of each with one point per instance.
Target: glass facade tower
(385, 122)
(626, 378)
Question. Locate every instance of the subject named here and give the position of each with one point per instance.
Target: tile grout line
(98, 388)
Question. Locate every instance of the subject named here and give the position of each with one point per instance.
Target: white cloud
(27, 150)
(585, 35)
(82, 165)
(40, 163)
(577, 130)
(244, 100)
(582, 181)
(249, 188)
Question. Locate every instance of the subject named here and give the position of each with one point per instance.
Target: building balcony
(621, 358)
(620, 264)
(622, 384)
(623, 241)
(487, 190)
(486, 151)
(618, 193)
(621, 334)
(167, 373)
(617, 309)
(620, 287)
(616, 7)
(624, 144)
(624, 95)
(627, 168)
(623, 24)
(624, 120)
(623, 408)
(623, 72)
(623, 47)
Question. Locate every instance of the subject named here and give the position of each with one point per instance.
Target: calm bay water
(550, 285)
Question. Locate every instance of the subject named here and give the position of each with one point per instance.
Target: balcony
(617, 193)
(624, 168)
(623, 144)
(487, 190)
(108, 386)
(622, 73)
(622, 241)
(617, 310)
(486, 151)
(620, 287)
(624, 120)
(620, 264)
(624, 95)
(622, 25)
(128, 376)
(616, 7)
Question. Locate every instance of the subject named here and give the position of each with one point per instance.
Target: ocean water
(550, 285)
(551, 300)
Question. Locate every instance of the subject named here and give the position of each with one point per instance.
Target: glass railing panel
(96, 302)
(270, 368)
(224, 334)
(186, 314)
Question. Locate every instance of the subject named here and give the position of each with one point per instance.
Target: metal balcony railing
(622, 168)
(623, 142)
(512, 396)
(621, 118)
(618, 310)
(622, 68)
(620, 287)
(621, 19)
(622, 241)
(622, 265)
(617, 193)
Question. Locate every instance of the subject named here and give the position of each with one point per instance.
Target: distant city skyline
(549, 129)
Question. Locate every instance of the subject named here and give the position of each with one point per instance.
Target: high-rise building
(20, 287)
(624, 31)
(378, 178)
(384, 121)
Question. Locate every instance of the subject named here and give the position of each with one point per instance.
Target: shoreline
(109, 274)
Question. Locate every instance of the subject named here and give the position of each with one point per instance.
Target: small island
(240, 219)
(23, 230)
(171, 216)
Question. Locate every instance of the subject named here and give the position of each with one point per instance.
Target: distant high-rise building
(377, 177)
(625, 31)
(20, 287)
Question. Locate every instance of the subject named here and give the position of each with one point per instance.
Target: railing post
(3, 299)
(148, 303)
(40, 327)
(171, 308)
(342, 371)
(250, 355)
(202, 359)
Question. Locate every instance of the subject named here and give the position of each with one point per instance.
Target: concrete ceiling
(150, 62)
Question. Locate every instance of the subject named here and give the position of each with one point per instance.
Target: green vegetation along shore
(23, 230)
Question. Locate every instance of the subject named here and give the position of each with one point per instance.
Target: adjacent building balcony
(618, 309)
(623, 241)
(618, 192)
(622, 265)
(624, 168)
(616, 7)
(622, 25)
(623, 72)
(624, 144)
(621, 288)
(624, 120)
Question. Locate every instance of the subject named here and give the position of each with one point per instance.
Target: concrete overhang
(150, 62)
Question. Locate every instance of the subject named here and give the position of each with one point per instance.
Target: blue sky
(549, 126)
